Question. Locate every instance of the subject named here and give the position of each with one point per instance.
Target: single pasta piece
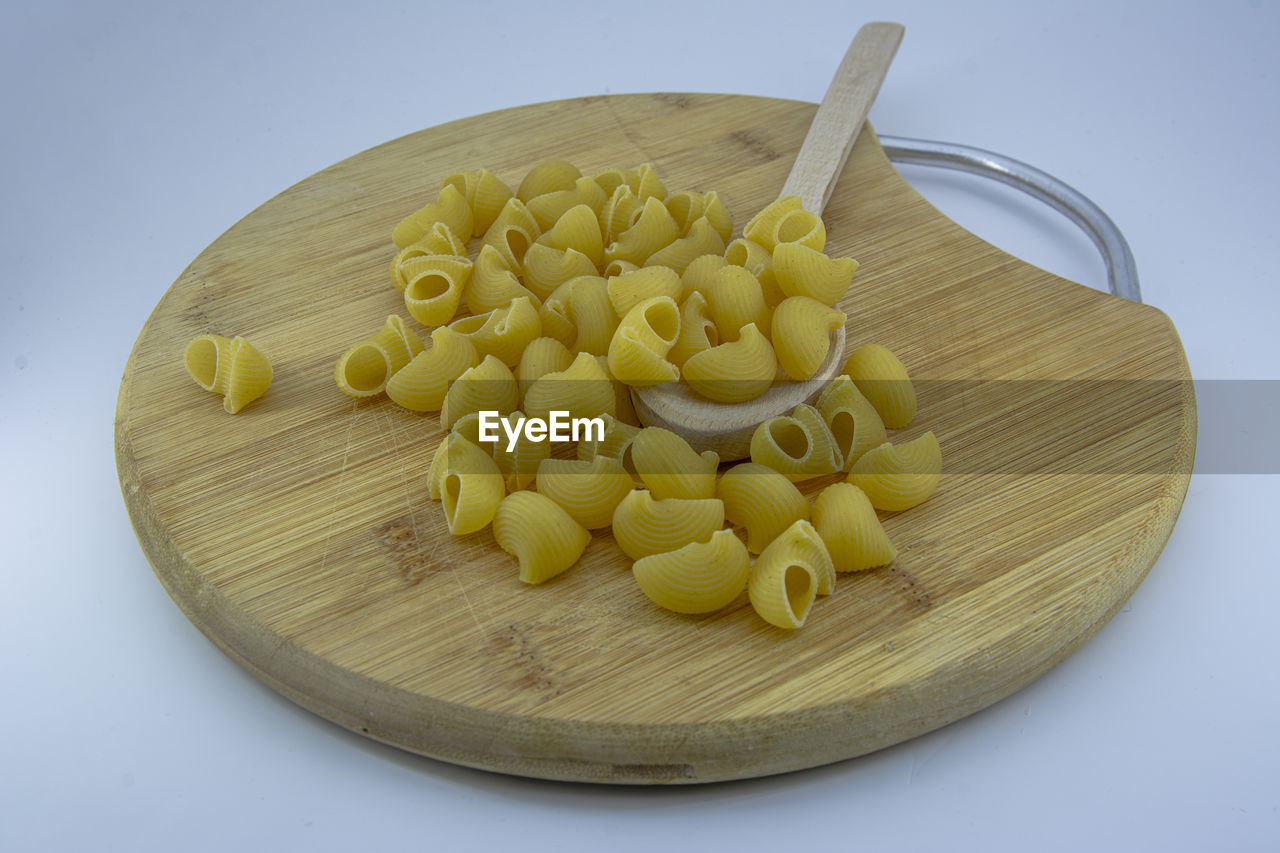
(784, 221)
(646, 183)
(433, 286)
(789, 574)
(670, 468)
(578, 228)
(847, 523)
(546, 268)
(459, 454)
(503, 332)
(762, 501)
(616, 444)
(760, 228)
(518, 464)
(539, 534)
(513, 231)
(734, 300)
(799, 445)
(489, 386)
(733, 372)
(898, 477)
(542, 356)
(438, 241)
(697, 330)
(363, 370)
(485, 193)
(854, 423)
(582, 389)
(592, 315)
(702, 239)
(802, 330)
(700, 577)
(421, 384)
(628, 290)
(610, 179)
(493, 284)
(644, 526)
(883, 380)
(549, 207)
(470, 498)
(450, 207)
(588, 489)
(638, 349)
(230, 367)
(685, 207)
(653, 229)
(619, 212)
(548, 177)
(758, 261)
(697, 276)
(802, 271)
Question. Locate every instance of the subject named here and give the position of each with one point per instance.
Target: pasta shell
(519, 460)
(589, 490)
(489, 386)
(493, 284)
(458, 454)
(653, 229)
(898, 477)
(546, 268)
(697, 331)
(701, 240)
(802, 271)
(542, 537)
(670, 468)
(757, 260)
(542, 356)
(232, 367)
(434, 284)
(847, 523)
(484, 192)
(762, 501)
(697, 276)
(628, 290)
(512, 232)
(450, 207)
(503, 332)
(583, 390)
(802, 330)
(364, 369)
(638, 348)
(438, 241)
(733, 372)
(883, 380)
(700, 577)
(854, 423)
(547, 177)
(644, 526)
(734, 300)
(789, 574)
(421, 385)
(579, 229)
(798, 445)
(551, 206)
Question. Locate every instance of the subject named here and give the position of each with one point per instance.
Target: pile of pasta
(584, 286)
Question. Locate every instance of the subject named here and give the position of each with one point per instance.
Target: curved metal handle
(1122, 273)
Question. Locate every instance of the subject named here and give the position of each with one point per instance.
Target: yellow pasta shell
(760, 228)
(589, 490)
(653, 229)
(434, 284)
(701, 240)
(758, 261)
(450, 207)
(542, 356)
(734, 300)
(549, 207)
(489, 386)
(582, 389)
(762, 501)
(462, 456)
(697, 330)
(503, 332)
(493, 284)
(484, 192)
(847, 523)
(592, 315)
(438, 241)
(364, 369)
(700, 577)
(233, 368)
(733, 372)
(628, 290)
(546, 268)
(638, 348)
(547, 177)
(539, 534)
(898, 477)
(854, 423)
(615, 443)
(883, 380)
(644, 526)
(670, 468)
(789, 574)
(798, 446)
(697, 276)
(802, 330)
(578, 228)
(421, 385)
(619, 212)
(518, 464)
(512, 232)
(802, 271)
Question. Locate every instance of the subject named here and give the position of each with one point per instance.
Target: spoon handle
(841, 115)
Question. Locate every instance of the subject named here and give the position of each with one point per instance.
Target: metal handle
(1122, 273)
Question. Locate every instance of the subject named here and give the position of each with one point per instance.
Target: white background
(134, 134)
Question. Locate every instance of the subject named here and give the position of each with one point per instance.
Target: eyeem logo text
(558, 426)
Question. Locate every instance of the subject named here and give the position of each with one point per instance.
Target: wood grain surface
(299, 538)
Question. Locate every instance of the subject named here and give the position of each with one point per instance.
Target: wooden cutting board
(298, 535)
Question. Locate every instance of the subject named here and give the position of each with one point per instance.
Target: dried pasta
(799, 445)
(492, 285)
(512, 232)
(503, 332)
(734, 300)
(733, 372)
(854, 423)
(652, 230)
(589, 490)
(847, 523)
(231, 367)
(789, 574)
(364, 369)
(550, 206)
(450, 207)
(802, 271)
(548, 177)
(438, 241)
(638, 348)
(470, 497)
(802, 330)
(697, 330)
(883, 380)
(421, 385)
(758, 261)
(489, 386)
(434, 284)
(670, 468)
(628, 290)
(540, 357)
(579, 229)
(542, 537)
(644, 526)
(700, 577)
(582, 389)
(898, 477)
(702, 239)
(485, 194)
(762, 501)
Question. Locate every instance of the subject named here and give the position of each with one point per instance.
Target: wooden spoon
(727, 428)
